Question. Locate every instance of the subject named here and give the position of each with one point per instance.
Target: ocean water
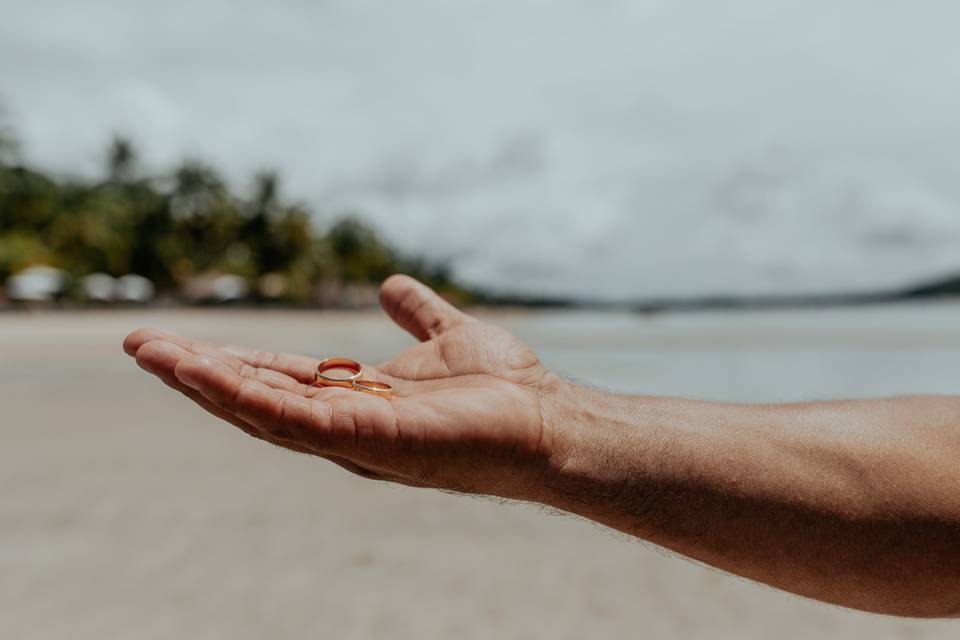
(763, 356)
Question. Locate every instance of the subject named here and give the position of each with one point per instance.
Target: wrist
(596, 438)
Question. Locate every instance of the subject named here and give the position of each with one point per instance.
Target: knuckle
(281, 409)
(343, 420)
(264, 359)
(240, 393)
(319, 422)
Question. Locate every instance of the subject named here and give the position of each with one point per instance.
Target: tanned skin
(853, 503)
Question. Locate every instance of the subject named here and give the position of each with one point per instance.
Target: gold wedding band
(374, 388)
(325, 379)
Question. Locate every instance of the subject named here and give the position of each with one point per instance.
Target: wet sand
(126, 512)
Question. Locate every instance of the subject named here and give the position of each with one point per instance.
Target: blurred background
(748, 202)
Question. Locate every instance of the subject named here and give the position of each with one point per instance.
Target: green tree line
(184, 223)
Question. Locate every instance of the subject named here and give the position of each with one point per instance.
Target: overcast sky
(600, 147)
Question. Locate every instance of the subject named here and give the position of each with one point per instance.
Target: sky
(603, 148)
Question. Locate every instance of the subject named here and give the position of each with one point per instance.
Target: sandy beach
(125, 512)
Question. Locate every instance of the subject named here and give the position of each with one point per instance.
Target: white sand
(127, 513)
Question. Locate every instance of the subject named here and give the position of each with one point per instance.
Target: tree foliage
(173, 227)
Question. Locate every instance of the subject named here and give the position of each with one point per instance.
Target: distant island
(945, 287)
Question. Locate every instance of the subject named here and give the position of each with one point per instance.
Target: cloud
(517, 158)
(618, 149)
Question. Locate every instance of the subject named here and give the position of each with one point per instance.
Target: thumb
(417, 308)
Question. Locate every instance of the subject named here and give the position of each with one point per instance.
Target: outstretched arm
(854, 503)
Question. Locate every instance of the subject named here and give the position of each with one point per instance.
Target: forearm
(856, 503)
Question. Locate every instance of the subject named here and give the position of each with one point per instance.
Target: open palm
(467, 414)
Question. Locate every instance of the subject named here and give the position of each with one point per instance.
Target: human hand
(468, 411)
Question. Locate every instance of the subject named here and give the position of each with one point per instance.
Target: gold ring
(329, 364)
(374, 388)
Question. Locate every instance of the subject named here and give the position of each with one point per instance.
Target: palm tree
(8, 144)
(121, 161)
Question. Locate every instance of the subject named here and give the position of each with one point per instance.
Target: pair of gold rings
(328, 375)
